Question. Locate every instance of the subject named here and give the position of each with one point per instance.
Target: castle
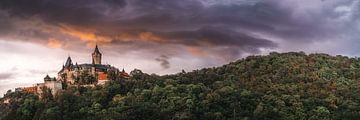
(71, 74)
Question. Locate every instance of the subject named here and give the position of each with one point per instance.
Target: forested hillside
(277, 86)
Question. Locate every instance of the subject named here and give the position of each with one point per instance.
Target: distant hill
(277, 86)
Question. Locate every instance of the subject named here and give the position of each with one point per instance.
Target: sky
(166, 36)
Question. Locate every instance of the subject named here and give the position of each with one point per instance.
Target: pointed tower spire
(96, 56)
(68, 62)
(97, 49)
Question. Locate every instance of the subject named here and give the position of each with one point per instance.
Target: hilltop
(276, 86)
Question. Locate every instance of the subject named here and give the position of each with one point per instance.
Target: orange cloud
(85, 35)
(90, 36)
(149, 36)
(195, 51)
(54, 43)
(93, 44)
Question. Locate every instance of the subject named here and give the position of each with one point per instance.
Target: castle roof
(68, 62)
(96, 51)
(62, 70)
(97, 66)
(47, 78)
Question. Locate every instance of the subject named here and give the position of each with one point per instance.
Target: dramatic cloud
(187, 23)
(163, 61)
(230, 28)
(54, 43)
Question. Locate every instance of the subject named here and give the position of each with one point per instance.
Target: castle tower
(68, 63)
(96, 56)
(47, 78)
(68, 68)
(50, 83)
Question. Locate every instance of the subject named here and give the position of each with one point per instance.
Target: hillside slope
(278, 86)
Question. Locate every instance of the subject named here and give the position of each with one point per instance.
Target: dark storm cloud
(265, 16)
(164, 62)
(155, 15)
(79, 12)
(223, 29)
(213, 36)
(5, 25)
(5, 76)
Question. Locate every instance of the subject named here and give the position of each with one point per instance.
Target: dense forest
(277, 86)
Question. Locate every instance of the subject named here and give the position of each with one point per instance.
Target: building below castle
(87, 74)
(49, 83)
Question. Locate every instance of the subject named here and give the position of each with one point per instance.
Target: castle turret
(96, 56)
(68, 63)
(51, 84)
(47, 78)
(77, 67)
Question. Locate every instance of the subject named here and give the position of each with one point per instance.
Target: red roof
(29, 89)
(102, 76)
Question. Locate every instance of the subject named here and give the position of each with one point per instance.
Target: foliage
(86, 78)
(278, 86)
